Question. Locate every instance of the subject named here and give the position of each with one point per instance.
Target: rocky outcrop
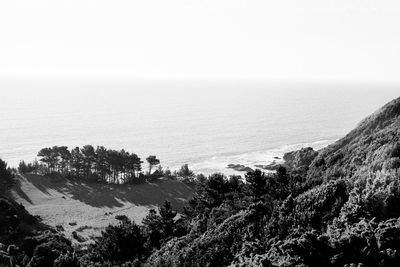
(270, 167)
(300, 158)
(239, 168)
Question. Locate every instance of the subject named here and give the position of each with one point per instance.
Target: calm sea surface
(206, 125)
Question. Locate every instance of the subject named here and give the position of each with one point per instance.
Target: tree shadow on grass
(43, 183)
(18, 190)
(111, 196)
(149, 194)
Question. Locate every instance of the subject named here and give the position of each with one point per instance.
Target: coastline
(251, 160)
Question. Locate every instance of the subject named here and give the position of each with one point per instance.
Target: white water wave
(251, 159)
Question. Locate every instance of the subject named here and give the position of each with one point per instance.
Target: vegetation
(335, 207)
(153, 161)
(88, 163)
(185, 174)
(28, 167)
(6, 177)
(100, 165)
(372, 146)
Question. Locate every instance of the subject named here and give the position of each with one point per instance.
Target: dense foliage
(100, 165)
(96, 164)
(93, 164)
(6, 177)
(372, 146)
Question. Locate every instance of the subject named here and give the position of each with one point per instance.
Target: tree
(153, 161)
(121, 243)
(101, 166)
(185, 173)
(49, 157)
(167, 218)
(215, 189)
(24, 167)
(88, 157)
(114, 162)
(77, 161)
(152, 229)
(257, 182)
(65, 157)
(6, 177)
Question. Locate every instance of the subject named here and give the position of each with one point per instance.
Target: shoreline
(252, 160)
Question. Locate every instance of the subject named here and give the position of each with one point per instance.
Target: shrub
(120, 243)
(6, 177)
(378, 197)
(50, 247)
(28, 168)
(67, 260)
(185, 174)
(395, 151)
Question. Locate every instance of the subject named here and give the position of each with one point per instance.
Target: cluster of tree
(103, 165)
(29, 167)
(87, 162)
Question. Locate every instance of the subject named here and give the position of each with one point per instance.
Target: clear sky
(311, 40)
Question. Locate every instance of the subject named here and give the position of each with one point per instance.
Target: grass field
(88, 207)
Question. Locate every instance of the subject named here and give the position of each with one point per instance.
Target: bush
(313, 209)
(28, 168)
(395, 151)
(366, 242)
(185, 174)
(120, 243)
(50, 247)
(6, 177)
(378, 197)
(67, 260)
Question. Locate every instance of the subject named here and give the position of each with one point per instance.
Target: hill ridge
(369, 145)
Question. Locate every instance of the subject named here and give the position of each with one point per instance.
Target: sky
(290, 40)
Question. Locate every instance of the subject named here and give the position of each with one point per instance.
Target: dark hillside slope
(15, 221)
(372, 146)
(25, 240)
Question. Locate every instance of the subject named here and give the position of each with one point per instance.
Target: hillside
(373, 145)
(16, 222)
(88, 207)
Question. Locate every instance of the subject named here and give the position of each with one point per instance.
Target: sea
(205, 124)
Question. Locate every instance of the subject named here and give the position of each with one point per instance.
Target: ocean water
(207, 125)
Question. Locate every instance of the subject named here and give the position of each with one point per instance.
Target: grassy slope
(60, 202)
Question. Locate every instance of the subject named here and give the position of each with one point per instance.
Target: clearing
(89, 207)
